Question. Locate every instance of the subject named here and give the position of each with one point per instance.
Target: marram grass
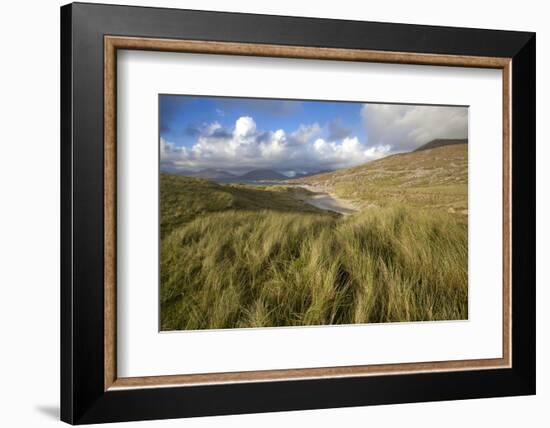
(225, 266)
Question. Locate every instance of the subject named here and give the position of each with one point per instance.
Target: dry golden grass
(237, 256)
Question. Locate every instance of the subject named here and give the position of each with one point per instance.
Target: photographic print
(280, 213)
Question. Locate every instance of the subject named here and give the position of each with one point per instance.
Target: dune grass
(184, 198)
(232, 257)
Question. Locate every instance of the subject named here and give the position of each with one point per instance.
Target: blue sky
(293, 136)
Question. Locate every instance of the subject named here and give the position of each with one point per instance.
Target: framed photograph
(266, 213)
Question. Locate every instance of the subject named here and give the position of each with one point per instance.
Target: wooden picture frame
(91, 390)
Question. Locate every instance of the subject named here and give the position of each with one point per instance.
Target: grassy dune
(184, 198)
(245, 256)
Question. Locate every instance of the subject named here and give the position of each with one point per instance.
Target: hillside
(242, 255)
(440, 142)
(429, 178)
(237, 256)
(308, 174)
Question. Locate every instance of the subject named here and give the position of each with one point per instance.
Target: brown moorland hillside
(440, 142)
(430, 178)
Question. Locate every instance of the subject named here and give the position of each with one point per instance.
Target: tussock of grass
(227, 262)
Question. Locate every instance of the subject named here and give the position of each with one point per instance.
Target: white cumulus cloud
(348, 152)
(244, 127)
(305, 133)
(245, 147)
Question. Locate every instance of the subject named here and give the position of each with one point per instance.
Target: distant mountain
(214, 174)
(440, 142)
(170, 169)
(263, 174)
